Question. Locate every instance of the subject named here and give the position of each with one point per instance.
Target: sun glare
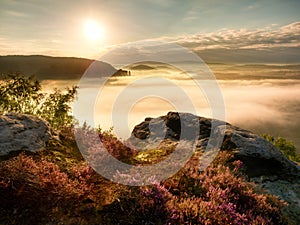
(93, 31)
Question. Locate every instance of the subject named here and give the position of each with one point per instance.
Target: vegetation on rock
(40, 191)
(286, 147)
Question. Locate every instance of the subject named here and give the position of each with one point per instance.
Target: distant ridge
(48, 67)
(142, 67)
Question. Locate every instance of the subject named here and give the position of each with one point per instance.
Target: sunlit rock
(20, 132)
(260, 156)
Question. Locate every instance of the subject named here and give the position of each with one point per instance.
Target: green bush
(22, 94)
(286, 147)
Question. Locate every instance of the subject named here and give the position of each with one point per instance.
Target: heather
(57, 186)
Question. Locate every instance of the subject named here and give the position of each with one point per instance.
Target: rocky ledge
(260, 157)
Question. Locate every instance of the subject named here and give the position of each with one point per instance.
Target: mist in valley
(259, 98)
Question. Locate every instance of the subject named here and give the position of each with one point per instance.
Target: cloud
(272, 43)
(189, 18)
(191, 15)
(15, 13)
(251, 7)
(232, 39)
(29, 47)
(264, 108)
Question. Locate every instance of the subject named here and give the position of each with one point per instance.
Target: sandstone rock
(170, 126)
(260, 157)
(20, 132)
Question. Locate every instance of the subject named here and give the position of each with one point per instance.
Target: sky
(231, 29)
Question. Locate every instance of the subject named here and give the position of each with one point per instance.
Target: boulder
(170, 125)
(260, 156)
(19, 132)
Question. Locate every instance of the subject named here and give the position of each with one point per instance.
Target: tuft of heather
(220, 195)
(37, 191)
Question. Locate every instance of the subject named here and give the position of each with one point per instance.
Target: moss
(150, 156)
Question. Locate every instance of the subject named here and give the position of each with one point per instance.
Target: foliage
(217, 196)
(43, 192)
(37, 188)
(96, 152)
(286, 147)
(39, 192)
(56, 107)
(22, 94)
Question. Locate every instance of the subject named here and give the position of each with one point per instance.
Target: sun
(93, 31)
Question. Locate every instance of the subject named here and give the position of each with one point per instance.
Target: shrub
(96, 144)
(220, 195)
(154, 205)
(35, 191)
(286, 147)
(217, 196)
(22, 94)
(30, 187)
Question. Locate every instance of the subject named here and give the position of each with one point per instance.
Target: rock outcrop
(20, 132)
(121, 73)
(260, 157)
